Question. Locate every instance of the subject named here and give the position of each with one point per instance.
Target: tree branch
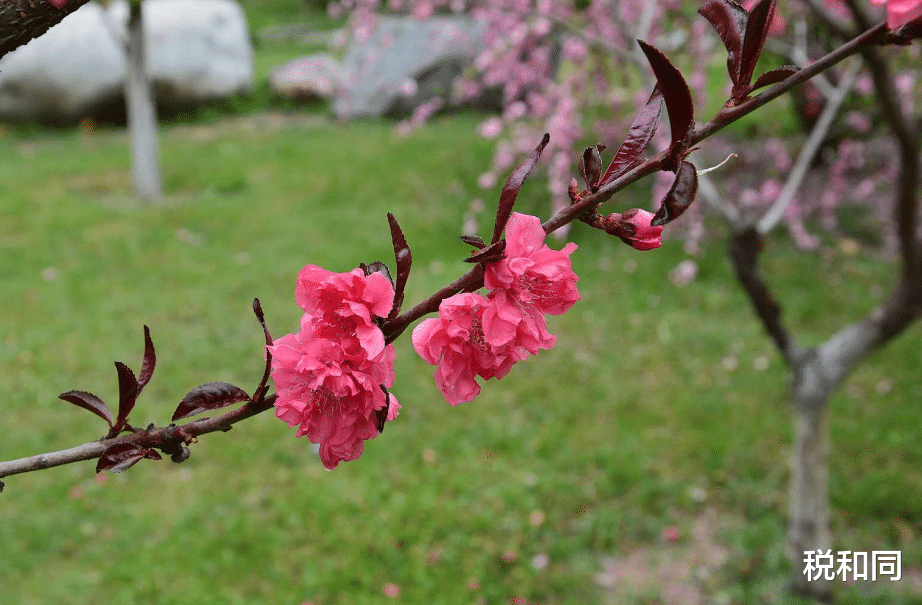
(170, 439)
(744, 247)
(807, 153)
(23, 20)
(724, 118)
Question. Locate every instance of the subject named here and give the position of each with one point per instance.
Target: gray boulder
(307, 78)
(404, 63)
(197, 51)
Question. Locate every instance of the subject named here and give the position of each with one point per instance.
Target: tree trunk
(808, 514)
(142, 112)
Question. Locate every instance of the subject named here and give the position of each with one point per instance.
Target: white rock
(404, 63)
(309, 77)
(197, 50)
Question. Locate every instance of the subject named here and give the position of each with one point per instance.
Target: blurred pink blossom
(901, 12)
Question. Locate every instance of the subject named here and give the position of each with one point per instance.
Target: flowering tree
(333, 377)
(556, 63)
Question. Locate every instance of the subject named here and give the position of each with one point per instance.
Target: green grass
(587, 451)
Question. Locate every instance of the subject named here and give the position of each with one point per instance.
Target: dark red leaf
(486, 260)
(127, 393)
(677, 95)
(512, 187)
(122, 456)
(404, 262)
(149, 362)
(377, 267)
(260, 391)
(729, 19)
(209, 396)
(258, 310)
(473, 240)
(493, 251)
(638, 137)
(590, 166)
(381, 414)
(774, 76)
(760, 20)
(680, 196)
(88, 401)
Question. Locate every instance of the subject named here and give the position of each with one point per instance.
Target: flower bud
(573, 190)
(634, 229)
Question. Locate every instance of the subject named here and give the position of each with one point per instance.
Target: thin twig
(169, 439)
(812, 145)
(716, 201)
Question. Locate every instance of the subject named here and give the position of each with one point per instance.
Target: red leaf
(404, 262)
(491, 253)
(122, 456)
(590, 166)
(678, 98)
(377, 267)
(261, 389)
(209, 396)
(258, 311)
(473, 240)
(729, 19)
(512, 187)
(149, 362)
(638, 137)
(774, 76)
(680, 196)
(760, 20)
(127, 393)
(88, 401)
(381, 414)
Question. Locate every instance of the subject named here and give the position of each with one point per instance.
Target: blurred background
(642, 460)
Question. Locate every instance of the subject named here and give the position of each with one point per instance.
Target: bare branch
(808, 152)
(716, 201)
(907, 137)
(744, 247)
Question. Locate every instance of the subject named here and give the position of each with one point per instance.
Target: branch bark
(170, 439)
(23, 20)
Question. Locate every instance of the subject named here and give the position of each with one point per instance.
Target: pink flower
(536, 278)
(484, 336)
(634, 229)
(340, 307)
(901, 12)
(457, 343)
(329, 375)
(778, 24)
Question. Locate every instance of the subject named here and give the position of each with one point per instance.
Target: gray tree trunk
(808, 499)
(142, 112)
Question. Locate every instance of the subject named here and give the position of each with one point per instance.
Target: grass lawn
(660, 406)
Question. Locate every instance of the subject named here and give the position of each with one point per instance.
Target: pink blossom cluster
(331, 375)
(557, 64)
(901, 12)
(476, 335)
